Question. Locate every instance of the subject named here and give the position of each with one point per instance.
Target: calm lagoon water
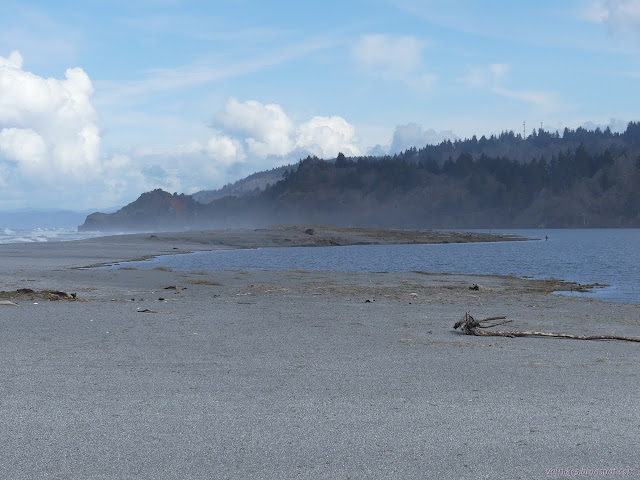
(605, 256)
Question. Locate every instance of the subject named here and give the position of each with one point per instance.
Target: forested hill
(578, 179)
(538, 144)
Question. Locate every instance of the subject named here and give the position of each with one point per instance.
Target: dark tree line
(568, 184)
(557, 173)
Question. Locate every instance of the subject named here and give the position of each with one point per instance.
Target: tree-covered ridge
(251, 185)
(538, 143)
(594, 183)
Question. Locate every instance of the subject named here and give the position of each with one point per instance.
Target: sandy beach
(156, 374)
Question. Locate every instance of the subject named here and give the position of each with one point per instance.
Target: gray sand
(295, 375)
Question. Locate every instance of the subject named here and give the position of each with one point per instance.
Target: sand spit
(119, 248)
(233, 374)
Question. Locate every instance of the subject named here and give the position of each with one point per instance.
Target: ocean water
(31, 235)
(605, 256)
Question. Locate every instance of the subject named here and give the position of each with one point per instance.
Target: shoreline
(112, 250)
(103, 250)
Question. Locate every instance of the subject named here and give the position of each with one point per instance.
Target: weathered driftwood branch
(471, 326)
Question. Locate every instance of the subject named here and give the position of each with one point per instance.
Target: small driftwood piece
(147, 310)
(471, 326)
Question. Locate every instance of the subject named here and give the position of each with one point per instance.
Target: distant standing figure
(546, 237)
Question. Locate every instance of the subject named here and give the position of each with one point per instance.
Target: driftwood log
(471, 326)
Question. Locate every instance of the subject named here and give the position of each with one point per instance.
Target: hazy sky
(103, 100)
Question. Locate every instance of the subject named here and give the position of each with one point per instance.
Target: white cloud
(595, 12)
(48, 129)
(25, 147)
(14, 60)
(263, 134)
(499, 71)
(487, 76)
(545, 101)
(206, 70)
(393, 57)
(388, 54)
(50, 145)
(618, 15)
(325, 137)
(225, 150)
(118, 161)
(413, 135)
(266, 129)
(623, 15)
(613, 124)
(493, 78)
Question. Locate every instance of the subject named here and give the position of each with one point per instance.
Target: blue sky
(103, 100)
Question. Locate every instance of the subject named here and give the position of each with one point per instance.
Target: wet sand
(162, 374)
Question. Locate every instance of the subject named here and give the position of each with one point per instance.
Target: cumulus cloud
(50, 145)
(614, 124)
(266, 129)
(393, 57)
(14, 60)
(25, 146)
(325, 137)
(413, 135)
(225, 150)
(48, 126)
(263, 135)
